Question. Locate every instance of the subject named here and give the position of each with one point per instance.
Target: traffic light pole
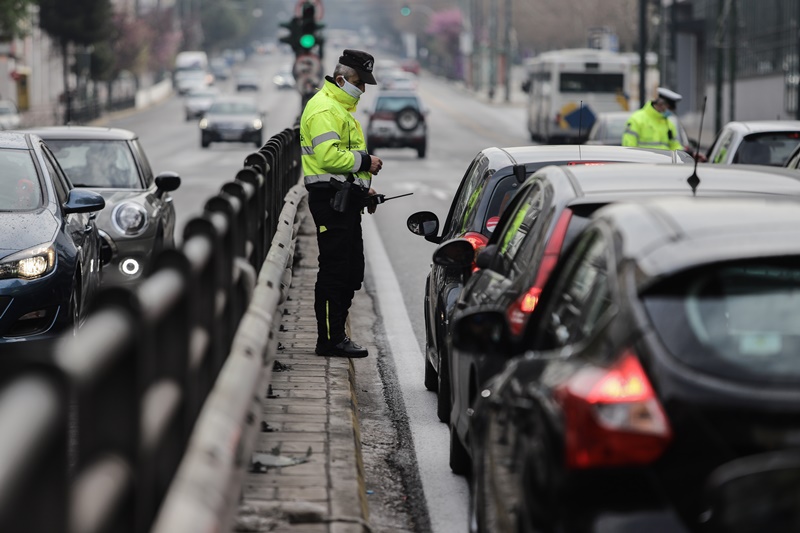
(306, 39)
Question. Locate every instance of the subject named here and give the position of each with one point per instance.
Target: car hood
(26, 230)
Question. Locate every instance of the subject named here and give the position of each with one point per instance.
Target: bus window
(574, 82)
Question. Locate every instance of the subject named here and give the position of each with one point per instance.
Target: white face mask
(351, 89)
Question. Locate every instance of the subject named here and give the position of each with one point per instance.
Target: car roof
(670, 234)
(574, 152)
(83, 133)
(651, 179)
(14, 140)
(761, 126)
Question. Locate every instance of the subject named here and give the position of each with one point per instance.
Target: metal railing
(96, 425)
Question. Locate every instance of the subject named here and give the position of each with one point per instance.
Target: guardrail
(160, 378)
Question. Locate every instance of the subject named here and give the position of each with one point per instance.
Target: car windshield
(615, 128)
(20, 188)
(95, 163)
(767, 148)
(736, 320)
(233, 108)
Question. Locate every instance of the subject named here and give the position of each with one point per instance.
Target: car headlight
(203, 123)
(257, 124)
(129, 218)
(29, 264)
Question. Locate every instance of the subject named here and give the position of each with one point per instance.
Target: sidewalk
(307, 473)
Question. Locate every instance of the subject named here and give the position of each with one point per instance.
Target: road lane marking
(446, 494)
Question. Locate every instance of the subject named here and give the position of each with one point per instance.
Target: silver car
(139, 217)
(756, 142)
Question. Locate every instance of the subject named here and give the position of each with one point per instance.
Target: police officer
(338, 175)
(650, 126)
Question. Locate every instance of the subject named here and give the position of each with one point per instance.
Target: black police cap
(361, 62)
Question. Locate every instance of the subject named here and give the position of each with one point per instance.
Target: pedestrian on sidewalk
(338, 176)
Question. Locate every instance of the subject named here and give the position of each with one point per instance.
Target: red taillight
(523, 306)
(478, 242)
(612, 416)
(557, 120)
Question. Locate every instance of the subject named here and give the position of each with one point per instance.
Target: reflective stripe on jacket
(647, 128)
(332, 144)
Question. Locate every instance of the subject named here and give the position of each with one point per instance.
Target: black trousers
(341, 264)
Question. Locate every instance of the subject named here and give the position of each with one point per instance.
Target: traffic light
(309, 28)
(405, 10)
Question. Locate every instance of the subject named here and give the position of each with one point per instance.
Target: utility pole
(797, 64)
(642, 52)
(507, 46)
(732, 31)
(492, 48)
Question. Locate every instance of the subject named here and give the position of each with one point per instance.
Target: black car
(552, 207)
(50, 266)
(491, 180)
(139, 217)
(665, 345)
(232, 119)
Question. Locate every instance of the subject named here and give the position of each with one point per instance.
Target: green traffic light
(308, 40)
(405, 11)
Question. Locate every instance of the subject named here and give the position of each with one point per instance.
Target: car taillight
(517, 313)
(383, 115)
(612, 416)
(478, 242)
(557, 120)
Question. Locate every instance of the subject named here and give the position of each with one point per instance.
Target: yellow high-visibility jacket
(332, 143)
(647, 128)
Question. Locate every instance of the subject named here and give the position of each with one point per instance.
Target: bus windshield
(591, 82)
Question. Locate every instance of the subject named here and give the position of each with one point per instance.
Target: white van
(568, 88)
(191, 60)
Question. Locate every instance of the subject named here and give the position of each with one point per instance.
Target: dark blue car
(50, 264)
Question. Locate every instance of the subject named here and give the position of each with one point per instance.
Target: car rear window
(501, 196)
(736, 320)
(20, 188)
(395, 103)
(767, 148)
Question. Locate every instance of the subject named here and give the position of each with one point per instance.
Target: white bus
(558, 81)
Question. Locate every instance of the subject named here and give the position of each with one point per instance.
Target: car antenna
(694, 180)
(580, 130)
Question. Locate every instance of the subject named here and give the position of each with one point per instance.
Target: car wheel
(421, 151)
(258, 142)
(459, 458)
(431, 376)
(443, 403)
(371, 149)
(204, 142)
(408, 118)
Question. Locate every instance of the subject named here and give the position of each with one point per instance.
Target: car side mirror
(167, 181)
(482, 331)
(526, 86)
(457, 253)
(83, 201)
(425, 224)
